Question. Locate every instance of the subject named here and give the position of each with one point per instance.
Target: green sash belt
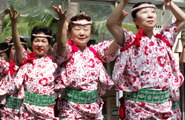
(13, 103)
(80, 97)
(39, 100)
(149, 96)
(175, 105)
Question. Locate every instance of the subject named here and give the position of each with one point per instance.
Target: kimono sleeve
(174, 95)
(21, 76)
(9, 85)
(106, 82)
(102, 48)
(61, 81)
(56, 58)
(170, 33)
(118, 71)
(129, 37)
(4, 66)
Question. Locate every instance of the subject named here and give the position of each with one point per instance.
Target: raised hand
(121, 18)
(13, 15)
(8, 39)
(61, 14)
(61, 36)
(167, 2)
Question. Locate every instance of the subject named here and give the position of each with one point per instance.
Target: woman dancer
(146, 68)
(35, 75)
(81, 70)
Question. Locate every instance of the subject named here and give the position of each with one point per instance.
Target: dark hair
(45, 30)
(136, 5)
(4, 46)
(79, 17)
(22, 41)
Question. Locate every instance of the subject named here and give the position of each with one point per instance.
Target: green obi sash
(39, 100)
(149, 96)
(80, 97)
(13, 103)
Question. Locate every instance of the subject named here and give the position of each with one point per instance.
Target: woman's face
(80, 34)
(146, 18)
(3, 56)
(40, 45)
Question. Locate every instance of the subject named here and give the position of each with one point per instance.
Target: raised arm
(177, 12)
(15, 35)
(112, 25)
(61, 36)
(113, 46)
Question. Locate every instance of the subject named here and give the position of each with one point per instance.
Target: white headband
(142, 6)
(40, 35)
(4, 50)
(82, 23)
(22, 43)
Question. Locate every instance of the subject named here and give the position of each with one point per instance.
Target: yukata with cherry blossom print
(36, 76)
(84, 72)
(148, 64)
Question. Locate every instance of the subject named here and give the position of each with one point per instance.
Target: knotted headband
(4, 50)
(40, 35)
(82, 23)
(143, 6)
(22, 43)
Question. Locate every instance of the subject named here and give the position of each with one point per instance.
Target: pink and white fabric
(25, 57)
(151, 66)
(82, 71)
(36, 77)
(9, 113)
(177, 114)
(9, 72)
(4, 68)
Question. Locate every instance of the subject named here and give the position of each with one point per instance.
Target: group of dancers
(68, 84)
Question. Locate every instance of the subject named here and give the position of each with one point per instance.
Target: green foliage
(97, 12)
(130, 27)
(100, 28)
(26, 24)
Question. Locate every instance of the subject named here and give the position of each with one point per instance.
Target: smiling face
(80, 34)
(40, 45)
(146, 18)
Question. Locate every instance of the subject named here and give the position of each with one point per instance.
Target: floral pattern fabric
(8, 71)
(36, 76)
(84, 72)
(151, 66)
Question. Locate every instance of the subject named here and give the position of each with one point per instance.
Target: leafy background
(40, 13)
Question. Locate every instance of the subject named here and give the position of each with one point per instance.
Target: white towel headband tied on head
(143, 6)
